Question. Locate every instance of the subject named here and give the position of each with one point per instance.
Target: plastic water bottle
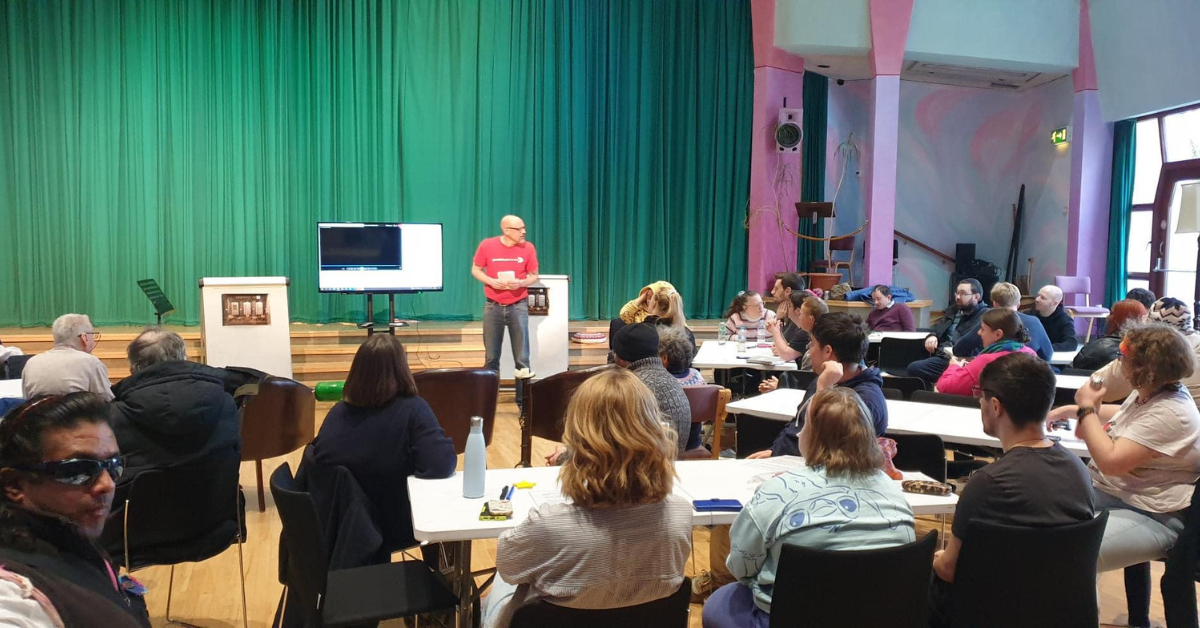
(475, 462)
(741, 340)
(722, 333)
(762, 332)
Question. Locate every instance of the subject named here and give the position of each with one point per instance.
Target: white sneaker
(524, 374)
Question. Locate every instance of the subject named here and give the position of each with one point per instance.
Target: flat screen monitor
(379, 257)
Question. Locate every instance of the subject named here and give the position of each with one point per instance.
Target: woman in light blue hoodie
(840, 500)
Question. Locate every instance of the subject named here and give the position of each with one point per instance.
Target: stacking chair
(895, 354)
(456, 395)
(893, 394)
(962, 401)
(182, 514)
(821, 588)
(832, 264)
(998, 564)
(1080, 285)
(1178, 583)
(708, 406)
(754, 433)
(906, 385)
(668, 612)
(279, 420)
(920, 452)
(346, 597)
(545, 405)
(14, 365)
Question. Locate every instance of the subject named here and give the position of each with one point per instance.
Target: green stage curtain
(812, 165)
(179, 139)
(1124, 147)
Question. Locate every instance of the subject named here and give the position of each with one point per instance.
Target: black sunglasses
(78, 471)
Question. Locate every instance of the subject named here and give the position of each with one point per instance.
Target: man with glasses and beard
(959, 320)
(59, 463)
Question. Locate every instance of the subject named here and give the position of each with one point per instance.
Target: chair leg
(170, 589)
(718, 427)
(1137, 594)
(242, 580)
(262, 498)
(1088, 337)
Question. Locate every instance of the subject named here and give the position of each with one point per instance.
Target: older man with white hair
(1060, 327)
(69, 366)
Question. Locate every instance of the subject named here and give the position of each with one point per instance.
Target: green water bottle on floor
(329, 391)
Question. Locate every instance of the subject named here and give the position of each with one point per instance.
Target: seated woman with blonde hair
(624, 538)
(651, 301)
(843, 458)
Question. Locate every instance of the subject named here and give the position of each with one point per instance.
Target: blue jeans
(1134, 536)
(732, 606)
(515, 318)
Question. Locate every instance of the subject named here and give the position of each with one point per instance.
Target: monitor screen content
(379, 257)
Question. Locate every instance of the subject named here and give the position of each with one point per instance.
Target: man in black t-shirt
(1036, 483)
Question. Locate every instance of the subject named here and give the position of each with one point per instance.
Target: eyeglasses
(94, 334)
(963, 294)
(978, 392)
(514, 228)
(78, 471)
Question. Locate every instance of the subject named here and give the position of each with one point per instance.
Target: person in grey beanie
(635, 347)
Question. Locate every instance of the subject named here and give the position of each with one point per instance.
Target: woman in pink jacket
(1002, 333)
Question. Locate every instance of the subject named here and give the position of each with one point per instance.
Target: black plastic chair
(668, 612)
(906, 385)
(346, 597)
(1178, 583)
(754, 434)
(895, 354)
(893, 394)
(920, 452)
(822, 588)
(1066, 370)
(961, 401)
(14, 365)
(799, 379)
(182, 514)
(1000, 580)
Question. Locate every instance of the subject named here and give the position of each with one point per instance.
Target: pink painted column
(1091, 173)
(881, 178)
(889, 34)
(777, 75)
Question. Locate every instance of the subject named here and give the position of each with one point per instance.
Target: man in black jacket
(962, 318)
(59, 463)
(1059, 326)
(170, 411)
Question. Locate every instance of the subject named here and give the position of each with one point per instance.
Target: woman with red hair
(1099, 352)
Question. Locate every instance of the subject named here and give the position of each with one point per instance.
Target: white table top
(952, 423)
(1064, 358)
(877, 336)
(1072, 382)
(10, 388)
(714, 355)
(441, 513)
(779, 404)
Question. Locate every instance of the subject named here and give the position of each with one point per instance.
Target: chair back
(307, 556)
(841, 244)
(795, 379)
(1066, 370)
(707, 401)
(895, 354)
(755, 433)
(999, 564)
(1074, 285)
(279, 420)
(546, 401)
(906, 385)
(668, 612)
(962, 401)
(920, 452)
(821, 588)
(15, 364)
(893, 394)
(171, 515)
(456, 395)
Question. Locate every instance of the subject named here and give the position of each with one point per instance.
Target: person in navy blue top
(1006, 295)
(837, 349)
(383, 432)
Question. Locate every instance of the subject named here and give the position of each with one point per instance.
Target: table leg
(465, 584)
(526, 439)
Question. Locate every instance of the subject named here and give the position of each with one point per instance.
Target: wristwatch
(1084, 411)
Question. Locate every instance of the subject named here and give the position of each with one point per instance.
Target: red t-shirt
(493, 257)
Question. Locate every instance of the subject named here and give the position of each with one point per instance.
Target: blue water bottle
(475, 462)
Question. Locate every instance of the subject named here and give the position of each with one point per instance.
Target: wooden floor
(206, 594)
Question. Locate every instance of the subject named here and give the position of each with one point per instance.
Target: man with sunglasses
(59, 463)
(70, 365)
(1035, 483)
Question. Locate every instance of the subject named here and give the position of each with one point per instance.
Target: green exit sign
(1060, 136)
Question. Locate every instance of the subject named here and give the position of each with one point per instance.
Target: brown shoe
(704, 584)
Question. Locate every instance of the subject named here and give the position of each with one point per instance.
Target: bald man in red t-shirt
(507, 265)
